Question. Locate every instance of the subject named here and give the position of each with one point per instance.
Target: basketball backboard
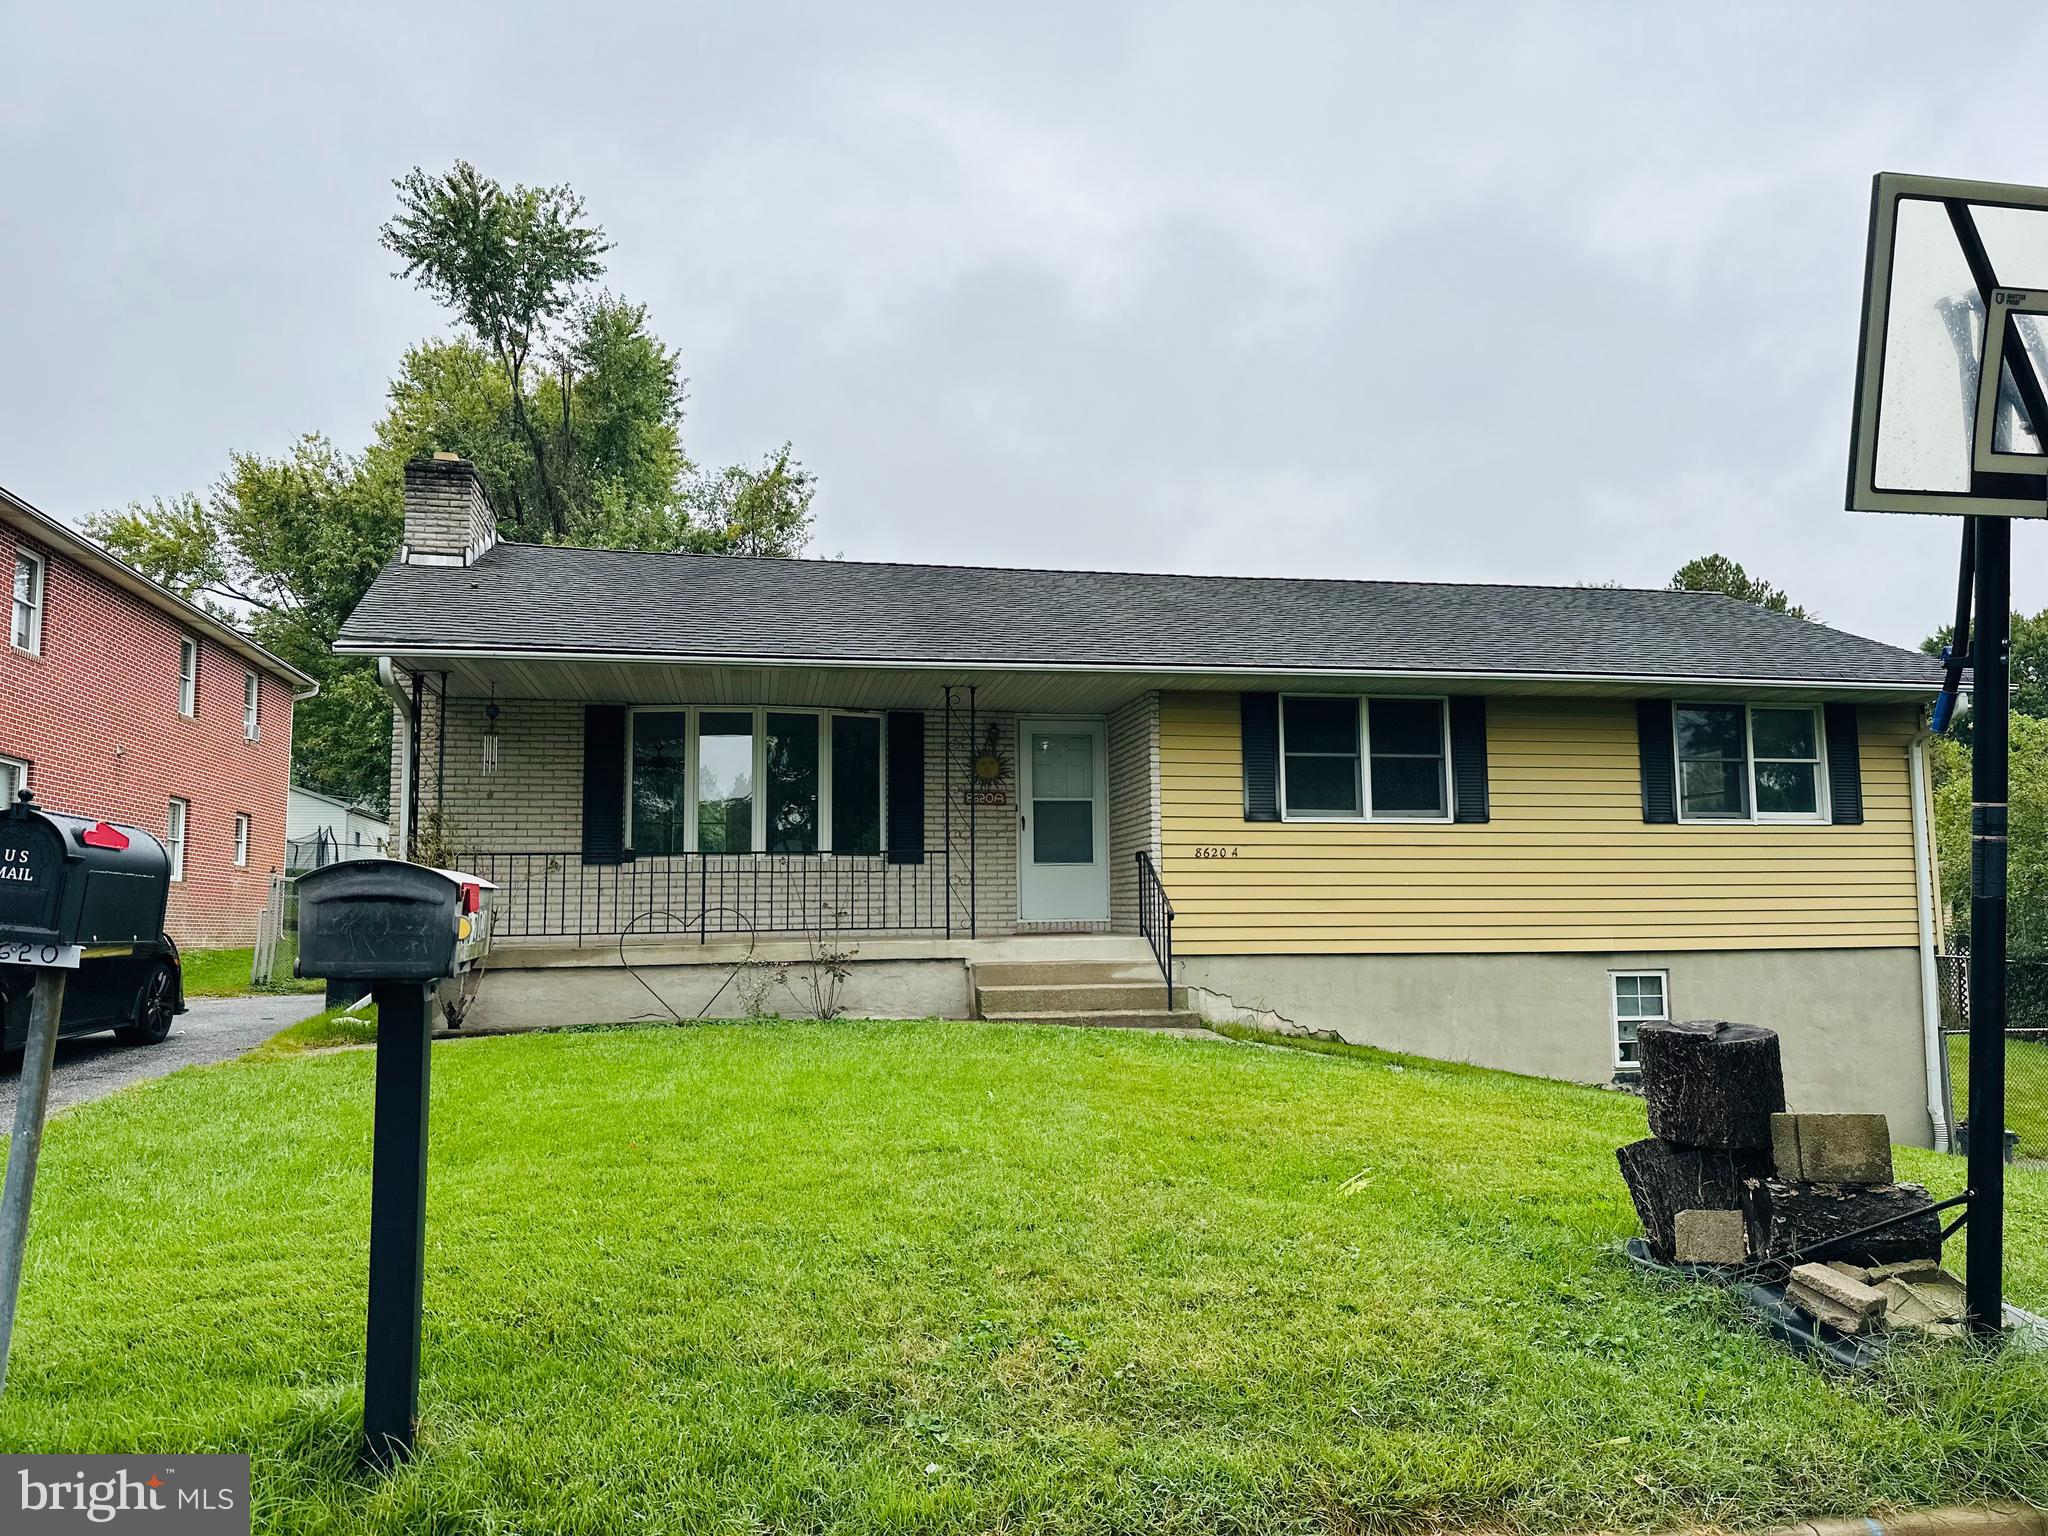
(1952, 371)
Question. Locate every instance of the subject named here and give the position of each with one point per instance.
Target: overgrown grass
(225, 973)
(324, 1031)
(942, 1277)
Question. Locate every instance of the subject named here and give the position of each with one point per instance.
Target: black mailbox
(385, 920)
(68, 884)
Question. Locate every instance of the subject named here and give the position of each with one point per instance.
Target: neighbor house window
(13, 779)
(753, 780)
(1640, 997)
(252, 695)
(174, 836)
(241, 842)
(26, 631)
(1345, 759)
(188, 676)
(1748, 762)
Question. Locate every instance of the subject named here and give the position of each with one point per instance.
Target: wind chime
(491, 734)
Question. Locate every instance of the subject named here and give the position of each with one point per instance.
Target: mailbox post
(403, 929)
(70, 890)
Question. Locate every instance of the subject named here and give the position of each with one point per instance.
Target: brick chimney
(448, 518)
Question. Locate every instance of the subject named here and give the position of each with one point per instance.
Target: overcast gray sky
(1442, 292)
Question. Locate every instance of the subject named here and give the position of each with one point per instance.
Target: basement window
(1640, 997)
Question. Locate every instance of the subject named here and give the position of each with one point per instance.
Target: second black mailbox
(385, 920)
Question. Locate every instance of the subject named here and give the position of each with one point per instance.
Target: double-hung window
(25, 629)
(1345, 759)
(241, 840)
(174, 836)
(1749, 762)
(188, 676)
(1640, 997)
(13, 779)
(716, 780)
(252, 695)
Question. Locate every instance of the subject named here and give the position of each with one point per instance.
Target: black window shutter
(1845, 766)
(906, 786)
(604, 783)
(1259, 734)
(1468, 759)
(1660, 759)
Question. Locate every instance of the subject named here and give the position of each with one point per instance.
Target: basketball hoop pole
(1990, 663)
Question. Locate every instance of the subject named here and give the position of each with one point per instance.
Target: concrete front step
(1063, 973)
(1104, 1018)
(1002, 1002)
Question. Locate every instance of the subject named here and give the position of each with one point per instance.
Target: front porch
(627, 808)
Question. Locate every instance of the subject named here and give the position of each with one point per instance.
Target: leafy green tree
(509, 264)
(566, 401)
(1717, 573)
(2029, 656)
(2027, 869)
(284, 548)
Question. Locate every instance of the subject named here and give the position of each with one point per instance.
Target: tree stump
(1664, 1179)
(1787, 1217)
(1711, 1084)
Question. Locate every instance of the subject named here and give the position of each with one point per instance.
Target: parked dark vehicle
(135, 995)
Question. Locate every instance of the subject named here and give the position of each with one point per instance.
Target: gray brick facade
(530, 804)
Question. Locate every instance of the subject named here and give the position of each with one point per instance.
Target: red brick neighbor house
(120, 699)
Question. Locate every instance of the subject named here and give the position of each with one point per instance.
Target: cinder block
(1832, 1149)
(1711, 1237)
(1838, 1288)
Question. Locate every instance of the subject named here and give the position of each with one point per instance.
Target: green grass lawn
(942, 1277)
(225, 973)
(2026, 1089)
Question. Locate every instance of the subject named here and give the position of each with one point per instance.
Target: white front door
(1063, 837)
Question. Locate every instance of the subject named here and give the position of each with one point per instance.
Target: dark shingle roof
(545, 600)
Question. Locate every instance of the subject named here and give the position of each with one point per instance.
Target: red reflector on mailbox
(472, 900)
(104, 836)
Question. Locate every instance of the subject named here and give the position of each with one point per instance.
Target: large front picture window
(1748, 762)
(660, 790)
(1349, 759)
(753, 780)
(856, 784)
(725, 782)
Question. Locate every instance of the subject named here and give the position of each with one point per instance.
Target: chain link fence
(2026, 1047)
(277, 934)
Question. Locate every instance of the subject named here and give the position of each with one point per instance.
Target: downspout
(402, 720)
(1923, 894)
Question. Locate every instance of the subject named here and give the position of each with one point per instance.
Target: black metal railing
(545, 894)
(1155, 919)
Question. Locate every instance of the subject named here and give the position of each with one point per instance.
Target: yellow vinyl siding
(1567, 863)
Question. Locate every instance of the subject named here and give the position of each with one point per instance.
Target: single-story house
(1496, 824)
(320, 829)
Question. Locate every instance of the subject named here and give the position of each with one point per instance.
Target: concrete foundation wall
(553, 998)
(1849, 1019)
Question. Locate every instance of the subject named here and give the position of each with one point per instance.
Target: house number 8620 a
(1215, 853)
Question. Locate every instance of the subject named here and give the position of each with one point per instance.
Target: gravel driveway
(214, 1029)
